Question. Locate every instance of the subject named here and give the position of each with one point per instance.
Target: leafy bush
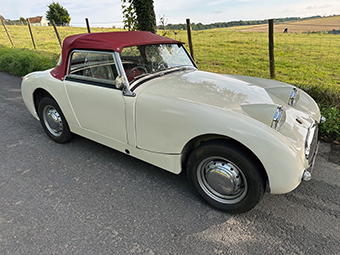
(330, 130)
(23, 61)
(325, 94)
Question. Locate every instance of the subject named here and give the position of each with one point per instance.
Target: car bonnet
(223, 91)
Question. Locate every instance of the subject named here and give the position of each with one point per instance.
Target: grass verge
(23, 61)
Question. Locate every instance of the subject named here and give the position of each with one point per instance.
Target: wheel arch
(214, 138)
(39, 94)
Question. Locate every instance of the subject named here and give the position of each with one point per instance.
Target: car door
(98, 105)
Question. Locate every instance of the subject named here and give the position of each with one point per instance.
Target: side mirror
(120, 82)
(122, 85)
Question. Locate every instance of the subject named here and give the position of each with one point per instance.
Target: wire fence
(45, 37)
(306, 59)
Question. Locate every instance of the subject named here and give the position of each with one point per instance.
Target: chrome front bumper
(307, 174)
(311, 141)
(311, 149)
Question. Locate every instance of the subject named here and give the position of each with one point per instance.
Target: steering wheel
(141, 69)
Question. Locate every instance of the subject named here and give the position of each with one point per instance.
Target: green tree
(129, 15)
(139, 15)
(163, 23)
(58, 13)
(146, 17)
(23, 20)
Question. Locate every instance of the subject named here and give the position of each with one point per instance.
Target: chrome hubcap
(52, 120)
(222, 180)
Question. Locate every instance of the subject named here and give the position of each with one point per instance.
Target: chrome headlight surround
(279, 117)
(294, 97)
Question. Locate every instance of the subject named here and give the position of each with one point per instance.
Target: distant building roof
(35, 19)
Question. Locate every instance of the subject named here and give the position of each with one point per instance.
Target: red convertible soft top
(114, 41)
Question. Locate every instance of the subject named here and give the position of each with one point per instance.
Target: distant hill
(294, 24)
(300, 26)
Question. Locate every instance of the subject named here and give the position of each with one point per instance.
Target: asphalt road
(84, 198)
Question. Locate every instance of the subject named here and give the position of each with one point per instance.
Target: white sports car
(142, 94)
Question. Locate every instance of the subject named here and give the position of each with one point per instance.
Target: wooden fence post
(9, 37)
(190, 40)
(56, 32)
(30, 29)
(271, 48)
(88, 25)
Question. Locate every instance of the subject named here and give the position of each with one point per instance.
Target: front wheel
(226, 176)
(53, 121)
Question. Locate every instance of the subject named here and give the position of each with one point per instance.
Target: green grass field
(309, 61)
(45, 37)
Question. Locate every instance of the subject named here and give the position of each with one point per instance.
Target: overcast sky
(108, 12)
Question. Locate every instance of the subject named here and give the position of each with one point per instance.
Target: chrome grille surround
(311, 142)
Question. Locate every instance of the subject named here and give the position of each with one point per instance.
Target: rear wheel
(226, 176)
(53, 121)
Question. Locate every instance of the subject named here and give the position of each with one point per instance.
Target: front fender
(165, 125)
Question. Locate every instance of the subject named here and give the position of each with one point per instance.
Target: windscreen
(148, 59)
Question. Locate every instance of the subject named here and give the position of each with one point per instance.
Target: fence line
(25, 33)
(306, 60)
(225, 50)
(8, 35)
(271, 48)
(30, 29)
(88, 25)
(56, 32)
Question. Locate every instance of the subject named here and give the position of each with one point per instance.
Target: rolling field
(301, 26)
(310, 61)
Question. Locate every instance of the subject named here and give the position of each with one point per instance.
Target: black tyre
(226, 176)
(53, 121)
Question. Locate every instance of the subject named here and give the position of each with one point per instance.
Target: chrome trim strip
(85, 51)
